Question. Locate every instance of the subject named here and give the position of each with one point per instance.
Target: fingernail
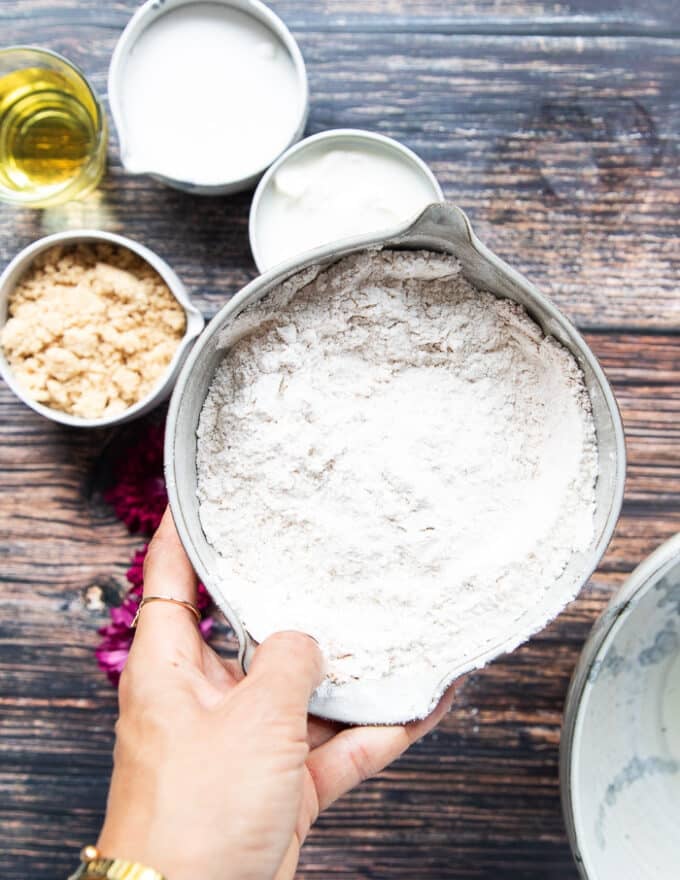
(310, 636)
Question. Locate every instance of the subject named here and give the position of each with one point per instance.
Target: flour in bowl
(393, 461)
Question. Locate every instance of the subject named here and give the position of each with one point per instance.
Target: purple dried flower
(139, 497)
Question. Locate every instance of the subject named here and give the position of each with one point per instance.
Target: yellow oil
(50, 136)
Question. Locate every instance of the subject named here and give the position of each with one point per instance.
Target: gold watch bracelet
(94, 867)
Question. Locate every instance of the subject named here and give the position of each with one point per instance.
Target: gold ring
(147, 599)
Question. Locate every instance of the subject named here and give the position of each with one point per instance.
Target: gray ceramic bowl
(620, 753)
(446, 229)
(21, 264)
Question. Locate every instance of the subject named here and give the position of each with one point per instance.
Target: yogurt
(334, 186)
(209, 94)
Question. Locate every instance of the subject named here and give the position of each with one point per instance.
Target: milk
(209, 94)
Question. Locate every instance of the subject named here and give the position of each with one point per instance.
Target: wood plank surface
(579, 17)
(557, 127)
(564, 151)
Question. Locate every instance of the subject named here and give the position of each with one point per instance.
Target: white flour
(394, 462)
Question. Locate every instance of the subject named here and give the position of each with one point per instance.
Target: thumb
(290, 666)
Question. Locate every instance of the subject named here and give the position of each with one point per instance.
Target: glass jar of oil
(52, 129)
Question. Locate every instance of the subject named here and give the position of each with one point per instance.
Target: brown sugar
(92, 329)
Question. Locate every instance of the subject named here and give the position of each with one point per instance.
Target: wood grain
(556, 126)
(563, 150)
(578, 17)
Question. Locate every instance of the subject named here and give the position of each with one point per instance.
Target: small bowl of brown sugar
(94, 328)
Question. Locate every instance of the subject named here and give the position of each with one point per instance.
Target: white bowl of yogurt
(206, 95)
(332, 186)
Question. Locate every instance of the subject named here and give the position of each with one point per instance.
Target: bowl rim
(620, 608)
(22, 262)
(413, 230)
(357, 135)
(142, 18)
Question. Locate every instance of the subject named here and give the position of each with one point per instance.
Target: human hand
(218, 776)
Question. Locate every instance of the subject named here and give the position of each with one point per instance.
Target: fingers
(167, 572)
(288, 867)
(222, 674)
(351, 757)
(234, 670)
(319, 731)
(358, 753)
(289, 665)
(418, 729)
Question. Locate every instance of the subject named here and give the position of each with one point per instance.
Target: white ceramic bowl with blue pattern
(620, 754)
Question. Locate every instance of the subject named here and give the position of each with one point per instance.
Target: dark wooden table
(556, 127)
